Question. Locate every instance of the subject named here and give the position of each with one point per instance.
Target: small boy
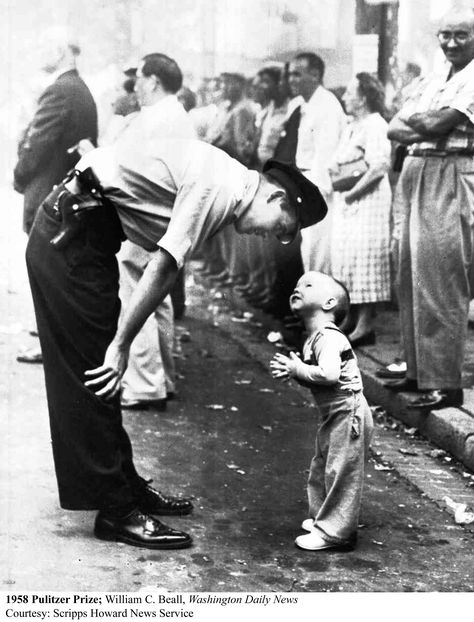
(329, 368)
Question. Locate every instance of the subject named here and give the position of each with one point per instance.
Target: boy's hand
(283, 367)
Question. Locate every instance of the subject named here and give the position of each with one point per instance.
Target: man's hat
(302, 193)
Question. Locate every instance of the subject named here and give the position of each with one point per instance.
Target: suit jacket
(66, 113)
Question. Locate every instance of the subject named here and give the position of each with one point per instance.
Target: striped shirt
(331, 338)
(439, 91)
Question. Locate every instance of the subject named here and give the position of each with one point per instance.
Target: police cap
(303, 195)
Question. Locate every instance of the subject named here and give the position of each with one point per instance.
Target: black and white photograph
(237, 327)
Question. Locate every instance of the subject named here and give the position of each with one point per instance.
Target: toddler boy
(329, 368)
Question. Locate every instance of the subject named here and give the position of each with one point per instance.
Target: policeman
(167, 197)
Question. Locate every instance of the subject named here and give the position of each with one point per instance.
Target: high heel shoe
(366, 340)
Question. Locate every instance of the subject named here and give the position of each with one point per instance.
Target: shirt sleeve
(464, 100)
(193, 219)
(377, 146)
(327, 352)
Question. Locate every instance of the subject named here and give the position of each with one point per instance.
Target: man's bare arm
(435, 123)
(151, 290)
(401, 132)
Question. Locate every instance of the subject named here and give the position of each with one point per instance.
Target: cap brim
(304, 195)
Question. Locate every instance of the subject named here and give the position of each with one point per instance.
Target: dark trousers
(75, 294)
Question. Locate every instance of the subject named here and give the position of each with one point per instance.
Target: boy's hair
(343, 303)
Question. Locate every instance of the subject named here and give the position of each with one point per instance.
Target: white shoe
(308, 525)
(314, 542)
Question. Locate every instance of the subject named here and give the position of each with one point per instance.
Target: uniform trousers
(336, 475)
(75, 295)
(150, 372)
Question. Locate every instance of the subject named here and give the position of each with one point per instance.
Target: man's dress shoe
(438, 398)
(156, 405)
(138, 529)
(406, 384)
(393, 371)
(154, 502)
(33, 355)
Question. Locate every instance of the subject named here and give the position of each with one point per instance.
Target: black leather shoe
(394, 371)
(406, 384)
(153, 502)
(433, 400)
(158, 405)
(138, 529)
(34, 355)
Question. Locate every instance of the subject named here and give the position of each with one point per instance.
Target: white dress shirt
(322, 122)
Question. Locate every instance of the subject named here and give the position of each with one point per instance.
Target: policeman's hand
(105, 380)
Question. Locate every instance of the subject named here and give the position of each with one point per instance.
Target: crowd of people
(280, 157)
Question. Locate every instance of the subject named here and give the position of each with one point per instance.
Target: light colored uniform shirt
(321, 125)
(172, 193)
(435, 92)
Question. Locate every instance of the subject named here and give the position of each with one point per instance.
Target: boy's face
(311, 293)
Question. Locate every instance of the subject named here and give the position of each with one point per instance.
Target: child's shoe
(313, 541)
(308, 525)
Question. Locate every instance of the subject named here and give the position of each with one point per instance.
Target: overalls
(336, 474)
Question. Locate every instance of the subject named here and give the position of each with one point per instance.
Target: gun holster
(73, 208)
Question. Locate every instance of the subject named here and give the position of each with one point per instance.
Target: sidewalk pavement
(451, 429)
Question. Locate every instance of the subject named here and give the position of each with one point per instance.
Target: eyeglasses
(459, 36)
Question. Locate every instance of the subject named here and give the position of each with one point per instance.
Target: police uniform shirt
(173, 194)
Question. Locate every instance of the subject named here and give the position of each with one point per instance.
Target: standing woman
(361, 232)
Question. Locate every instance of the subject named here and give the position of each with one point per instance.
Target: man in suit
(66, 113)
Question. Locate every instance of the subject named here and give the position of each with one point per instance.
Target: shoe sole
(113, 537)
(169, 513)
(330, 548)
(391, 376)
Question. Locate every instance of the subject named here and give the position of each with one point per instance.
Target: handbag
(348, 174)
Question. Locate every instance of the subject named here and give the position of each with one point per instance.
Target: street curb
(452, 429)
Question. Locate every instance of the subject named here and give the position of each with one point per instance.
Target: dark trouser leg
(178, 295)
(75, 293)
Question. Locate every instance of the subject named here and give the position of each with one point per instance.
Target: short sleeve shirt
(329, 337)
(436, 92)
(172, 193)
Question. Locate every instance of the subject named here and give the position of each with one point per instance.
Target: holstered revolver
(74, 207)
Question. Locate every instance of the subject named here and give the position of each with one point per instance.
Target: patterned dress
(361, 230)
